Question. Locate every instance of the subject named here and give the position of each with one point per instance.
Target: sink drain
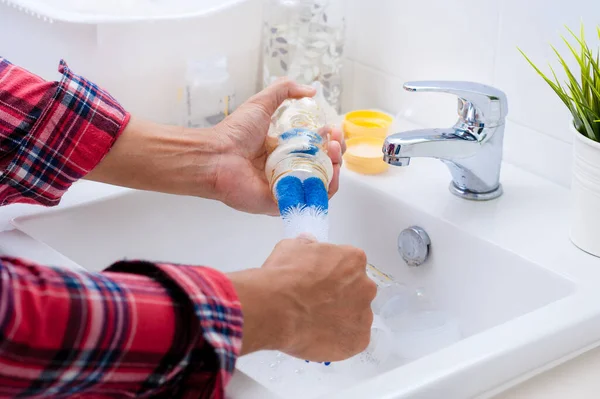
(413, 245)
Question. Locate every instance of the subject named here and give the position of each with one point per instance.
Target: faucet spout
(471, 149)
(474, 166)
(431, 143)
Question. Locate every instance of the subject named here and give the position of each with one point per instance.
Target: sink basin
(515, 315)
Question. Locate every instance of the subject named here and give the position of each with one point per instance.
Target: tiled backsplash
(393, 41)
(388, 42)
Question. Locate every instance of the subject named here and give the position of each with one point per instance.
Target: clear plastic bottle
(297, 141)
(418, 326)
(209, 92)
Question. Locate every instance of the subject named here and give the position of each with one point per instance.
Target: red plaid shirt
(139, 329)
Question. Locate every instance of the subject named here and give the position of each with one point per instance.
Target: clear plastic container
(209, 92)
(304, 39)
(417, 327)
(373, 359)
(297, 141)
(387, 289)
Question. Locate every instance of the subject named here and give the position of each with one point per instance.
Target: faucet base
(473, 196)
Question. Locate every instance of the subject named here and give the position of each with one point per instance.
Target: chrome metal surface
(413, 245)
(471, 149)
(473, 196)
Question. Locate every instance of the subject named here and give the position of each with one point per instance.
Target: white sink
(517, 314)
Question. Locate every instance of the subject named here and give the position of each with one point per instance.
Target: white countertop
(542, 208)
(576, 379)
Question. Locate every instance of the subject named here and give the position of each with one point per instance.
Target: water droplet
(273, 365)
(275, 379)
(279, 355)
(299, 371)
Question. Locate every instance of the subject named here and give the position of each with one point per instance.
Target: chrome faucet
(471, 149)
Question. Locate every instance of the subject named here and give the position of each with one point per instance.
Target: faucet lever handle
(477, 103)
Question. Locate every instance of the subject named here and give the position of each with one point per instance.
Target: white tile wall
(533, 26)
(393, 41)
(389, 42)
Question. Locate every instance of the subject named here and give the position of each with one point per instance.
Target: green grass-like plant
(582, 97)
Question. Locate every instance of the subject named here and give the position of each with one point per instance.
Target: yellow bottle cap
(367, 123)
(364, 155)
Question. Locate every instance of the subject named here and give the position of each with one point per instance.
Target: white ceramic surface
(93, 12)
(534, 26)
(423, 40)
(538, 153)
(519, 305)
(585, 207)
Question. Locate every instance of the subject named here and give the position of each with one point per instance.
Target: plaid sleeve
(137, 330)
(51, 133)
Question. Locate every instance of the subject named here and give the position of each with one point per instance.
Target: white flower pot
(585, 191)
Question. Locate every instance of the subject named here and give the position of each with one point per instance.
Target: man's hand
(310, 300)
(240, 179)
(225, 162)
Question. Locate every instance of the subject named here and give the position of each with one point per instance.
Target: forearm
(54, 133)
(134, 330)
(155, 157)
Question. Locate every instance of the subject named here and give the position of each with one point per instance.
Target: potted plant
(581, 94)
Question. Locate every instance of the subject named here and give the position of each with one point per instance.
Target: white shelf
(119, 11)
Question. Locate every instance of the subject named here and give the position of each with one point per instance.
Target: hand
(225, 163)
(309, 300)
(240, 180)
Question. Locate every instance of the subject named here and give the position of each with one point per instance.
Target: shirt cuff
(75, 129)
(218, 315)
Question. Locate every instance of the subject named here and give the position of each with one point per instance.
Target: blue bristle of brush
(290, 193)
(316, 194)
